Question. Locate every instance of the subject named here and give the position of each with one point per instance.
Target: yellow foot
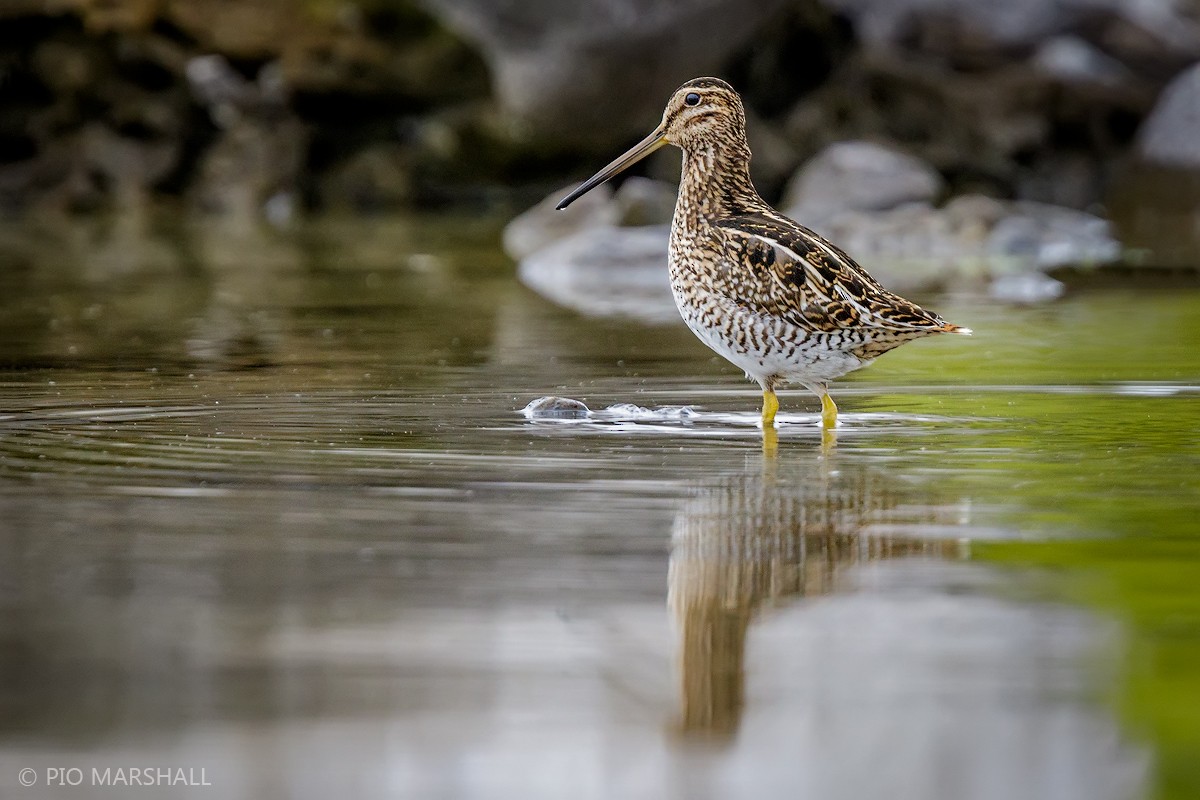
(828, 412)
(770, 406)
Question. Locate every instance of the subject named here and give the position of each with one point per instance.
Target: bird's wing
(802, 277)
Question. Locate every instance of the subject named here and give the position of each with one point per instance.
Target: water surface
(268, 507)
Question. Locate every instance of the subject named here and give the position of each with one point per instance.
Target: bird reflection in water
(759, 539)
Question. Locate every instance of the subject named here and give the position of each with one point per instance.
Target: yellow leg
(828, 412)
(770, 406)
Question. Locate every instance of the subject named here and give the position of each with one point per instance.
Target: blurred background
(280, 281)
(273, 108)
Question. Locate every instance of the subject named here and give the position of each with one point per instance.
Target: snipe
(768, 294)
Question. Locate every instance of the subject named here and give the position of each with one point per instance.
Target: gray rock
(858, 176)
(975, 211)
(600, 269)
(1026, 289)
(1159, 24)
(1003, 95)
(604, 255)
(215, 83)
(917, 246)
(914, 246)
(598, 71)
(606, 272)
(639, 201)
(1171, 135)
(221, 89)
(1049, 236)
(1071, 59)
(556, 408)
(642, 201)
(1015, 22)
(543, 224)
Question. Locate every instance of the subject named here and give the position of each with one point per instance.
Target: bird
(771, 296)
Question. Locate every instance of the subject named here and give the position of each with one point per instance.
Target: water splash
(566, 408)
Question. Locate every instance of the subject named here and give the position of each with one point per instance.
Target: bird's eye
(692, 99)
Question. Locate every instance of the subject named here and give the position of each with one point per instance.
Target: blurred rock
(604, 272)
(598, 72)
(86, 121)
(982, 31)
(603, 255)
(253, 160)
(372, 105)
(280, 209)
(975, 213)
(1171, 135)
(544, 224)
(220, 88)
(916, 246)
(183, 86)
(376, 178)
(858, 176)
(641, 201)
(359, 50)
(257, 157)
(1004, 98)
(591, 265)
(1073, 60)
(128, 164)
(1026, 289)
(1012, 23)
(1048, 236)
(638, 202)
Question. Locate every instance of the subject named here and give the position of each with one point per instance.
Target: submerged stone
(556, 408)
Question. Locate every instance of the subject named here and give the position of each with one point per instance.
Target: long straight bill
(635, 154)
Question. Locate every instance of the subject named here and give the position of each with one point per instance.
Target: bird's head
(701, 112)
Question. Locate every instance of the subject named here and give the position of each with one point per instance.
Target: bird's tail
(951, 328)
